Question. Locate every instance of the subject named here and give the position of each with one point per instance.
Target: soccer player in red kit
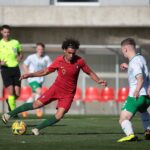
(63, 89)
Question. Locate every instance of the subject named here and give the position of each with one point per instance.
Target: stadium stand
(122, 94)
(107, 94)
(91, 94)
(26, 92)
(78, 95)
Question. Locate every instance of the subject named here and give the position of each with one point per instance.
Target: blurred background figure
(33, 63)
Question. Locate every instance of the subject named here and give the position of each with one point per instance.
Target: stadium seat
(44, 89)
(78, 94)
(1, 98)
(5, 93)
(122, 94)
(91, 94)
(25, 93)
(107, 94)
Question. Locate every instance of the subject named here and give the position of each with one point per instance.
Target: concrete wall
(124, 2)
(24, 2)
(48, 2)
(86, 35)
(52, 16)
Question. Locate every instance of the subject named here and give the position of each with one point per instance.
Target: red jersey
(68, 73)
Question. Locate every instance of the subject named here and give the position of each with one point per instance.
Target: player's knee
(120, 121)
(39, 91)
(123, 118)
(17, 96)
(10, 91)
(59, 116)
(37, 104)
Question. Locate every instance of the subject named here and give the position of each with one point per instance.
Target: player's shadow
(81, 133)
(31, 125)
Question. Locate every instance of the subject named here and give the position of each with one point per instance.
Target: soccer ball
(19, 127)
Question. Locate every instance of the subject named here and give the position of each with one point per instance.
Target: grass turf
(73, 133)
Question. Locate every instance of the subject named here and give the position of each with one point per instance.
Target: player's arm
(94, 76)
(148, 91)
(139, 85)
(19, 51)
(2, 62)
(124, 66)
(25, 68)
(43, 72)
(19, 56)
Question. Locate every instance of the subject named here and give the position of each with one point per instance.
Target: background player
(10, 56)
(34, 63)
(138, 99)
(63, 89)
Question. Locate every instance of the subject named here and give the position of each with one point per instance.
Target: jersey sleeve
(0, 56)
(53, 66)
(19, 47)
(84, 66)
(137, 69)
(49, 61)
(27, 61)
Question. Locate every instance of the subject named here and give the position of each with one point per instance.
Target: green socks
(12, 102)
(22, 108)
(29, 106)
(47, 122)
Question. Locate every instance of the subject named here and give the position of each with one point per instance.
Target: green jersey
(9, 51)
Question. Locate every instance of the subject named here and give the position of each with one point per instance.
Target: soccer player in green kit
(138, 99)
(10, 56)
(63, 89)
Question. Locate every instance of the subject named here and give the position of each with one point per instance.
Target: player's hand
(148, 91)
(136, 94)
(124, 66)
(24, 76)
(18, 58)
(2, 63)
(102, 82)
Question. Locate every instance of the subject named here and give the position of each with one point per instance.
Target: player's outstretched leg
(127, 127)
(49, 122)
(22, 108)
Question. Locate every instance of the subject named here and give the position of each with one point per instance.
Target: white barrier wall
(52, 16)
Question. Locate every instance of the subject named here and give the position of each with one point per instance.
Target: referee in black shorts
(10, 56)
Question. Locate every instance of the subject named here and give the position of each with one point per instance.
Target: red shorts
(56, 93)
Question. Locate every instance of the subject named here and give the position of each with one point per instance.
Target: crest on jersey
(63, 70)
(15, 50)
(77, 66)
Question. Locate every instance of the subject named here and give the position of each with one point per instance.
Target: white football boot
(5, 118)
(35, 131)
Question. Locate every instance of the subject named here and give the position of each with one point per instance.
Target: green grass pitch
(73, 133)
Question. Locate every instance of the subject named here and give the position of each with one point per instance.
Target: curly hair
(70, 42)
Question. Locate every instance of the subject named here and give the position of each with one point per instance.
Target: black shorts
(10, 76)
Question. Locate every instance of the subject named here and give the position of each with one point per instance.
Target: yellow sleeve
(0, 56)
(19, 47)
(0, 53)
